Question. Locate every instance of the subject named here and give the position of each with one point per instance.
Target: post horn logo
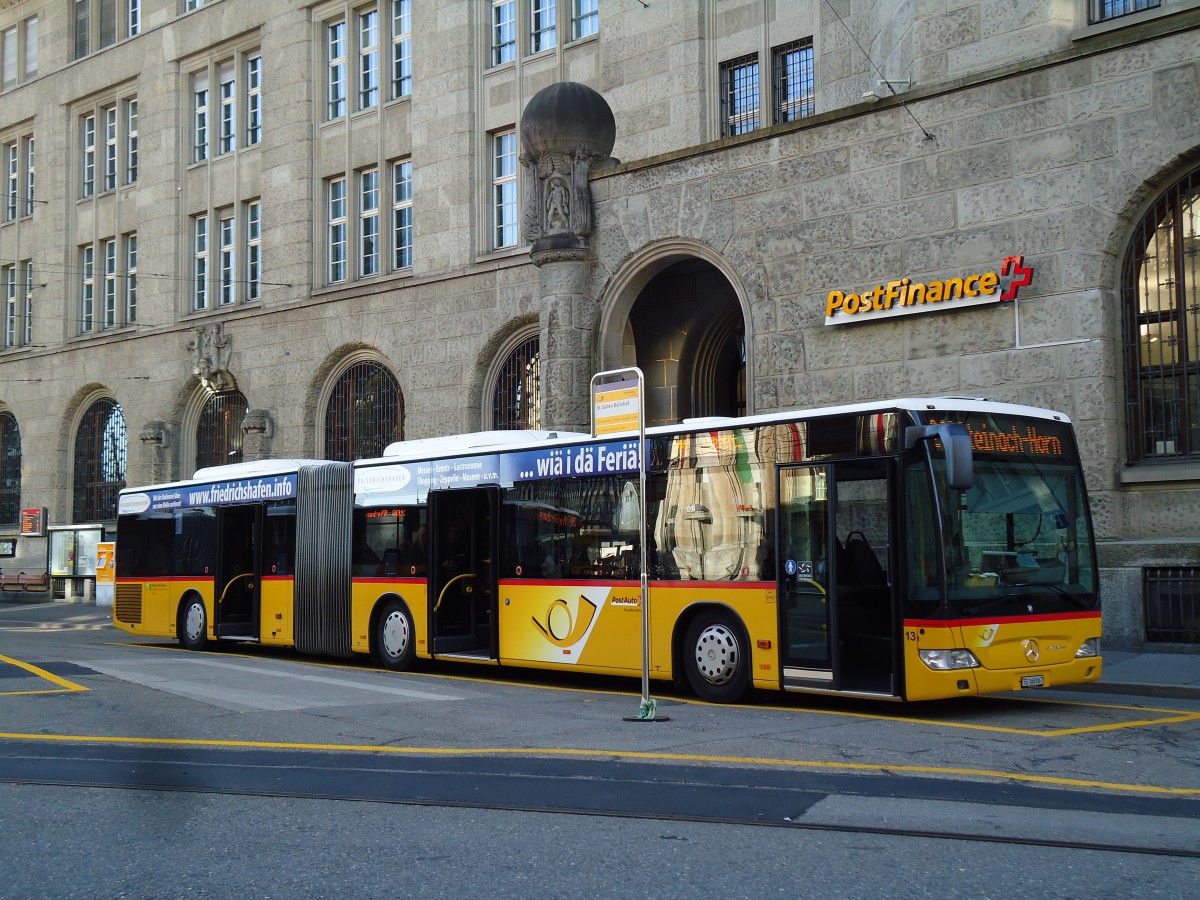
(561, 626)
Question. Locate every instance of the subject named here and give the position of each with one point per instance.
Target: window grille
(1103, 10)
(516, 399)
(1172, 604)
(100, 454)
(1161, 286)
(10, 469)
(365, 413)
(219, 431)
(792, 79)
(739, 96)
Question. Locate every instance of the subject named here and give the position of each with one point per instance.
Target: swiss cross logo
(1019, 274)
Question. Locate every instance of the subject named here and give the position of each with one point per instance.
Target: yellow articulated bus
(907, 550)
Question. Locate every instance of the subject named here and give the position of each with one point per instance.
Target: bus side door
(463, 570)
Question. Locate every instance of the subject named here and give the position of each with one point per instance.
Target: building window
(504, 31)
(200, 118)
(200, 262)
(335, 62)
(31, 46)
(585, 18)
(516, 391)
(110, 148)
(12, 173)
(365, 413)
(87, 306)
(792, 81)
(88, 137)
(99, 22)
(227, 265)
(219, 431)
(27, 324)
(8, 283)
(402, 222)
(29, 175)
(368, 218)
(227, 88)
(543, 31)
(504, 189)
(10, 469)
(253, 250)
(108, 252)
(368, 59)
(253, 100)
(739, 96)
(401, 48)
(1103, 10)
(1161, 302)
(1171, 604)
(131, 141)
(8, 50)
(100, 452)
(131, 278)
(337, 230)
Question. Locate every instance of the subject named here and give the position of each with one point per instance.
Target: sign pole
(616, 404)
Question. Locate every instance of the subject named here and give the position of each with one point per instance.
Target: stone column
(566, 130)
(258, 428)
(160, 440)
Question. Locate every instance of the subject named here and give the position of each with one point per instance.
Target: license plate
(1033, 681)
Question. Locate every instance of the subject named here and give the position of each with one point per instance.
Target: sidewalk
(1153, 674)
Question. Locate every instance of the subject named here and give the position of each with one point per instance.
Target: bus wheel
(395, 644)
(716, 657)
(193, 624)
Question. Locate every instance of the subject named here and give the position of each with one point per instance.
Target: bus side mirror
(956, 441)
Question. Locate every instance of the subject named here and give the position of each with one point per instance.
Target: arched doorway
(686, 331)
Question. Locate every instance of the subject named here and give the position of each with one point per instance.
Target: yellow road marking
(1169, 716)
(64, 685)
(607, 754)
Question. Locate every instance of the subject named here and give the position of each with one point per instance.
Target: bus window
(279, 539)
(195, 540)
(390, 542)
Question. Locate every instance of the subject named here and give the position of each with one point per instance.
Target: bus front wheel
(716, 657)
(193, 624)
(395, 637)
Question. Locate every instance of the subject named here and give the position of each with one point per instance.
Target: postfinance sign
(906, 297)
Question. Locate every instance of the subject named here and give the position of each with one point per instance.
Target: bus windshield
(1019, 540)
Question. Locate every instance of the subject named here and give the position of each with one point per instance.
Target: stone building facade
(294, 189)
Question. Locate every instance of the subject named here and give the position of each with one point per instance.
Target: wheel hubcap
(717, 654)
(193, 624)
(395, 633)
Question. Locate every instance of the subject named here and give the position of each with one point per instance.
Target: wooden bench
(24, 580)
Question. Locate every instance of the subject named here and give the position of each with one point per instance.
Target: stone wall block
(953, 29)
(924, 215)
(1006, 124)
(742, 183)
(944, 171)
(1176, 99)
(662, 212)
(634, 220)
(1078, 143)
(855, 269)
(862, 190)
(813, 167)
(1022, 196)
(1099, 101)
(823, 235)
(966, 248)
(695, 205)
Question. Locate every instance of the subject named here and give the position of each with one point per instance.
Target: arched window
(365, 413)
(219, 430)
(100, 453)
(1161, 300)
(10, 469)
(516, 392)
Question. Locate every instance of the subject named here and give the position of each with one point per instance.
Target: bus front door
(836, 602)
(462, 572)
(237, 585)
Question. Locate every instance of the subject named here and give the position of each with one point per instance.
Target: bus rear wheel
(193, 624)
(716, 657)
(395, 637)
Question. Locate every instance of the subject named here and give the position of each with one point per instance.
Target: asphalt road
(130, 768)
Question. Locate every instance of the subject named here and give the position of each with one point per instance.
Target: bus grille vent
(127, 603)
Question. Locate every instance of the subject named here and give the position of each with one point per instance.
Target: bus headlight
(949, 659)
(1090, 647)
